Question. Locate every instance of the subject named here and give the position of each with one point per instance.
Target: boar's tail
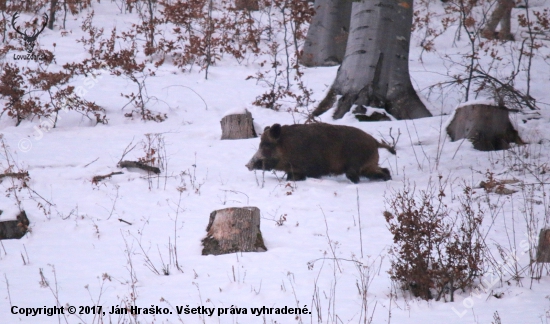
(386, 146)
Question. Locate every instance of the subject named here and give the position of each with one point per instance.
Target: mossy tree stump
(543, 250)
(488, 127)
(238, 126)
(14, 229)
(233, 230)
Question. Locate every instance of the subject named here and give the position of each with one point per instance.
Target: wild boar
(316, 150)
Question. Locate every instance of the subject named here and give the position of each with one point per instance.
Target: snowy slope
(89, 257)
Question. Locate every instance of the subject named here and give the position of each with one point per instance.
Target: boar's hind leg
(353, 176)
(295, 176)
(387, 175)
(377, 174)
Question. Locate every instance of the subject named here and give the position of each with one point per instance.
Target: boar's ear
(275, 131)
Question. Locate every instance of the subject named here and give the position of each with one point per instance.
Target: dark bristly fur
(315, 150)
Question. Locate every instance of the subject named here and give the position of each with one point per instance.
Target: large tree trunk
(375, 70)
(543, 249)
(51, 21)
(502, 14)
(327, 35)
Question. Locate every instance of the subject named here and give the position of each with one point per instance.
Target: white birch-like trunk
(326, 39)
(375, 70)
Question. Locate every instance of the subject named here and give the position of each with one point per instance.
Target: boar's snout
(250, 165)
(255, 162)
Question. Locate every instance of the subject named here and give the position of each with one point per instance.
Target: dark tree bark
(502, 14)
(488, 127)
(238, 126)
(53, 6)
(233, 230)
(543, 249)
(138, 165)
(14, 229)
(327, 36)
(375, 70)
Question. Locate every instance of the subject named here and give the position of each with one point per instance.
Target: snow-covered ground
(79, 253)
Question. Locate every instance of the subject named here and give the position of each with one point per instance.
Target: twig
(177, 85)
(99, 178)
(91, 162)
(330, 242)
(114, 203)
(8, 288)
(238, 192)
(122, 220)
(359, 216)
(127, 150)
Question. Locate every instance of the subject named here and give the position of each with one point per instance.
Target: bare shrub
(489, 69)
(154, 149)
(206, 30)
(436, 251)
(120, 61)
(37, 92)
(284, 76)
(18, 181)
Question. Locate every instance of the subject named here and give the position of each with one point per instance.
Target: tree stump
(543, 250)
(251, 5)
(488, 127)
(233, 230)
(238, 126)
(14, 229)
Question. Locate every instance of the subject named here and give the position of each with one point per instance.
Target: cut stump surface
(233, 230)
(238, 126)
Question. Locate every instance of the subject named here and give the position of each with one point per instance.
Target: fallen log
(17, 175)
(14, 229)
(139, 165)
(99, 178)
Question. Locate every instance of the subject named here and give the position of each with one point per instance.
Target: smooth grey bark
(326, 39)
(502, 14)
(375, 70)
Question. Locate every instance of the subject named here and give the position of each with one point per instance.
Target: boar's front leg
(295, 176)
